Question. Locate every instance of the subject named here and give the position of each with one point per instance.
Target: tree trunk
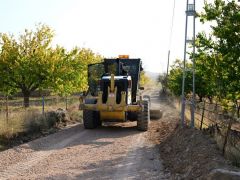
(26, 95)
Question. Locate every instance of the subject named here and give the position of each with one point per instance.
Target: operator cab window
(112, 68)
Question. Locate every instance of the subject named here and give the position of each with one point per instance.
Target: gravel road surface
(114, 151)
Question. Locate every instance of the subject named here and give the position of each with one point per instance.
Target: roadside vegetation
(217, 58)
(30, 63)
(25, 124)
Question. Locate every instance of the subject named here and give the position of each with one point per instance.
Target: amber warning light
(123, 56)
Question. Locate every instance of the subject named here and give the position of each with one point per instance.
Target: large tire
(143, 119)
(89, 119)
(147, 98)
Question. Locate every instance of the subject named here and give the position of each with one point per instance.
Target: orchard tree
(25, 62)
(175, 78)
(70, 70)
(5, 87)
(218, 52)
(175, 81)
(30, 63)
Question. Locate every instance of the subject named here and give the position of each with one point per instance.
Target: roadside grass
(31, 121)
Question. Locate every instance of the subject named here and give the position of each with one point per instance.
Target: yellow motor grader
(114, 94)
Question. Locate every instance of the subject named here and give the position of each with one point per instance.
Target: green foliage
(70, 72)
(29, 62)
(217, 58)
(175, 78)
(144, 79)
(25, 62)
(218, 54)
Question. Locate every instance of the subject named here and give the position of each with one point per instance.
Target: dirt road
(116, 151)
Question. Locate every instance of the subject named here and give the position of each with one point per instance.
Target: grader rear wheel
(143, 119)
(90, 120)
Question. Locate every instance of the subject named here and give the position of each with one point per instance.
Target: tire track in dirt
(141, 162)
(37, 156)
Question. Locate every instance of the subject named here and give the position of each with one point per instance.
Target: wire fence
(14, 116)
(220, 121)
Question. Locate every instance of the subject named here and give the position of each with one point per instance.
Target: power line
(172, 24)
(170, 37)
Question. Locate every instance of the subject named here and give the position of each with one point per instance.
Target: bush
(36, 122)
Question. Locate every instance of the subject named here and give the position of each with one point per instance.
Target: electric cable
(172, 25)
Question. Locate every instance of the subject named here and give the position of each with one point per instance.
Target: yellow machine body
(109, 115)
(111, 110)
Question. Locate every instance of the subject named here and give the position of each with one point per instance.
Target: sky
(139, 28)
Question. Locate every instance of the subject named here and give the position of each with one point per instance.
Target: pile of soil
(188, 153)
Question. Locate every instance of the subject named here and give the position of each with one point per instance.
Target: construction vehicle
(114, 94)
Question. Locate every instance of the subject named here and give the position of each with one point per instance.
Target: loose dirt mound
(188, 153)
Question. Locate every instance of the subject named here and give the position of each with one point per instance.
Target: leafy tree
(29, 63)
(219, 51)
(175, 81)
(70, 71)
(205, 80)
(25, 63)
(175, 78)
(217, 57)
(5, 87)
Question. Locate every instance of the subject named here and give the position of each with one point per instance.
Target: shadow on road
(77, 135)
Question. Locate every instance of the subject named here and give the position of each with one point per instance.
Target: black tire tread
(89, 119)
(143, 119)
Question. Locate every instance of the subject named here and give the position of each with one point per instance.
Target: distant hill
(153, 75)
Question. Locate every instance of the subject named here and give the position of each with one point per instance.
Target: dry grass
(32, 120)
(13, 125)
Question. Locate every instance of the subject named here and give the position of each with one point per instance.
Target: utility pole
(190, 13)
(168, 61)
(167, 70)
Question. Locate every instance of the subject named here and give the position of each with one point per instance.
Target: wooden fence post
(66, 100)
(227, 134)
(43, 105)
(7, 110)
(216, 111)
(203, 110)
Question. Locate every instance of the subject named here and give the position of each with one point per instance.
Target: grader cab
(114, 94)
